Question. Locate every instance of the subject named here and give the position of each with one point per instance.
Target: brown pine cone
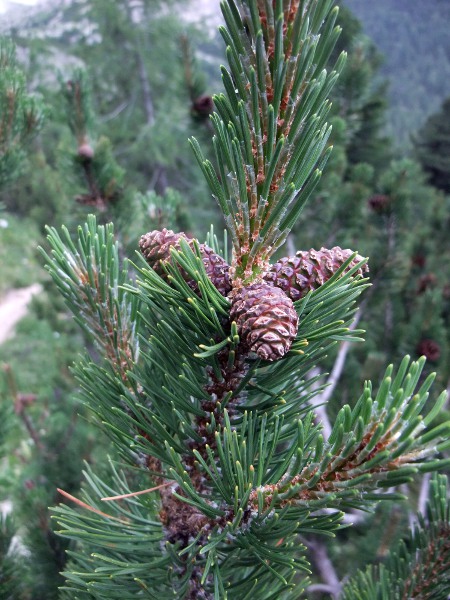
(430, 349)
(266, 319)
(308, 270)
(379, 203)
(155, 247)
(428, 280)
(202, 106)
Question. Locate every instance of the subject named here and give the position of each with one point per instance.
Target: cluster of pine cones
(263, 311)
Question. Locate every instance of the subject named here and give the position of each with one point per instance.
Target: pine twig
(325, 568)
(139, 493)
(88, 506)
(320, 401)
(339, 365)
(21, 401)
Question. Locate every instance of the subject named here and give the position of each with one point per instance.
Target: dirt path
(13, 307)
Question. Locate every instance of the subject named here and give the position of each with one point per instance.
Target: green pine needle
(276, 84)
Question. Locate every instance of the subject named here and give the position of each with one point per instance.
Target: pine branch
(424, 493)
(170, 413)
(270, 130)
(418, 567)
(324, 567)
(338, 366)
(236, 440)
(202, 104)
(319, 402)
(94, 157)
(80, 113)
(21, 401)
(22, 115)
(90, 277)
(146, 91)
(377, 444)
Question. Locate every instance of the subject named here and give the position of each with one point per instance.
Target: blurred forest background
(97, 102)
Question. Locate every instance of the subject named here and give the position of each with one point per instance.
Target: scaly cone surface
(266, 320)
(156, 245)
(309, 269)
(263, 311)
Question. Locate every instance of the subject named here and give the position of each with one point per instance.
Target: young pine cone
(308, 270)
(155, 247)
(430, 349)
(266, 319)
(379, 203)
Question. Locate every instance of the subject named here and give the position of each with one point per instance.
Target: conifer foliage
(205, 386)
(433, 147)
(21, 114)
(102, 176)
(418, 567)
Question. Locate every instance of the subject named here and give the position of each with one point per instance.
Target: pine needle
(89, 507)
(132, 494)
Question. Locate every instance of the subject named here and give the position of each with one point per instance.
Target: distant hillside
(413, 36)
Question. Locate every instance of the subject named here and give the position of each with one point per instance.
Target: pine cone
(266, 319)
(85, 152)
(379, 203)
(202, 106)
(430, 349)
(428, 280)
(155, 247)
(419, 260)
(308, 270)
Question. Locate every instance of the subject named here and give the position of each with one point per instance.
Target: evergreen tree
(134, 125)
(413, 37)
(205, 385)
(433, 148)
(21, 114)
(48, 441)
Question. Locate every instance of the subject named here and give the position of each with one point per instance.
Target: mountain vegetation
(412, 37)
(432, 146)
(173, 386)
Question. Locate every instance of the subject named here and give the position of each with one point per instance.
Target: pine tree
(205, 391)
(433, 145)
(49, 438)
(21, 114)
(42, 439)
(136, 126)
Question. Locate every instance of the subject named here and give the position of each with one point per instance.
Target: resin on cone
(266, 319)
(308, 270)
(155, 247)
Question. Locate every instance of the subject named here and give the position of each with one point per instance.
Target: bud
(85, 151)
(203, 106)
